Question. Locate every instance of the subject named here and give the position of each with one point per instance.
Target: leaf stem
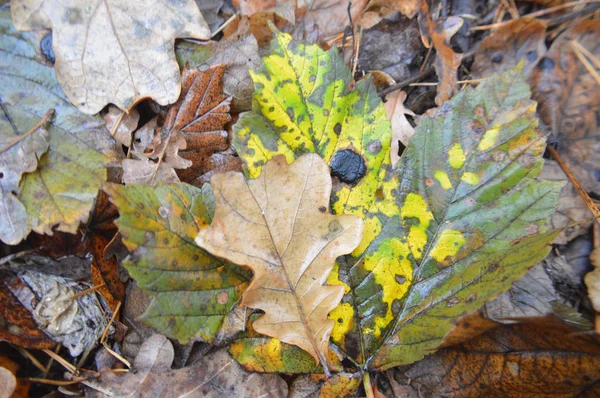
(368, 386)
(20, 138)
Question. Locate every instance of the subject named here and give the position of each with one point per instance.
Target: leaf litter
(455, 205)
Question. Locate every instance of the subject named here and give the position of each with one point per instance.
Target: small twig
(112, 319)
(584, 195)
(405, 83)
(21, 137)
(51, 361)
(116, 355)
(367, 385)
(225, 24)
(536, 14)
(86, 291)
(115, 127)
(62, 361)
(577, 48)
(57, 382)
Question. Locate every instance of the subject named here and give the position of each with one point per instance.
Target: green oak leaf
(60, 193)
(452, 225)
(192, 290)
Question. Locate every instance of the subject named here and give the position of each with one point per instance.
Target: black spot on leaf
(546, 64)
(348, 166)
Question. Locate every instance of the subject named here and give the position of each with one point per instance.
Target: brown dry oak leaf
(216, 375)
(279, 226)
(569, 100)
(402, 130)
(114, 51)
(540, 357)
(200, 116)
(437, 34)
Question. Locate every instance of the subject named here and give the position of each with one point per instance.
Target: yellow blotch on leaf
(470, 178)
(448, 244)
(334, 278)
(443, 179)
(393, 271)
(456, 156)
(489, 139)
(272, 352)
(417, 239)
(415, 206)
(343, 318)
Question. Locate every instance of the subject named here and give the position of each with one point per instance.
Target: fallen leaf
(145, 171)
(519, 40)
(238, 51)
(437, 34)
(76, 323)
(533, 295)
(193, 291)
(286, 236)
(315, 111)
(331, 16)
(385, 8)
(60, 193)
(393, 47)
(402, 130)
(569, 101)
(200, 116)
(433, 221)
(572, 216)
(216, 375)
(536, 358)
(114, 51)
(19, 154)
(315, 385)
(128, 122)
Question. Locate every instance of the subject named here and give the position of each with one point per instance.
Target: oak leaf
(402, 130)
(114, 51)
(279, 226)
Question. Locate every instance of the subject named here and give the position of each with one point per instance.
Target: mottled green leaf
(193, 291)
(472, 214)
(61, 192)
(304, 102)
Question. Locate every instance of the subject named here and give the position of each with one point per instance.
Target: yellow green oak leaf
(452, 225)
(192, 290)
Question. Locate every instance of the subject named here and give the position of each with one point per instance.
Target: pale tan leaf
(216, 375)
(114, 51)
(144, 171)
(402, 130)
(127, 123)
(279, 225)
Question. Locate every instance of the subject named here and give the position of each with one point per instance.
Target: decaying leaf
(385, 8)
(513, 42)
(536, 358)
(60, 193)
(303, 103)
(286, 235)
(128, 122)
(114, 51)
(402, 130)
(200, 116)
(19, 154)
(76, 323)
(238, 51)
(569, 98)
(12, 386)
(437, 34)
(316, 385)
(454, 224)
(193, 291)
(216, 375)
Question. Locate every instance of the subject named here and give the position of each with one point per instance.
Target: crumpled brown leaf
(216, 375)
(438, 34)
(114, 51)
(18, 155)
(540, 357)
(379, 9)
(569, 101)
(128, 122)
(279, 225)
(521, 39)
